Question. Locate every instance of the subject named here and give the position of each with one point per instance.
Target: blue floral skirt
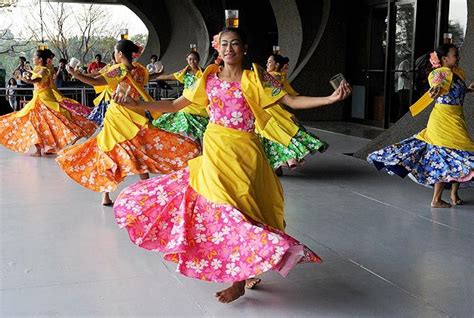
(98, 113)
(425, 163)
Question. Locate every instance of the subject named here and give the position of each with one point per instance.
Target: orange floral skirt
(151, 150)
(43, 126)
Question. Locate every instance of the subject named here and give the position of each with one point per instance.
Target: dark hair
(286, 60)
(237, 31)
(49, 53)
(278, 59)
(43, 55)
(113, 56)
(22, 58)
(127, 48)
(443, 50)
(12, 79)
(63, 61)
(196, 54)
(154, 56)
(98, 56)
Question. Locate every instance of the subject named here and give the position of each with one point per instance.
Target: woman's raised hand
(341, 93)
(435, 92)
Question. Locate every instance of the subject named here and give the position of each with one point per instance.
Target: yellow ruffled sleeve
(196, 93)
(441, 77)
(114, 75)
(179, 76)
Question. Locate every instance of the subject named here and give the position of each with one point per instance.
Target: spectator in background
(62, 76)
(155, 66)
(20, 69)
(11, 94)
(96, 66)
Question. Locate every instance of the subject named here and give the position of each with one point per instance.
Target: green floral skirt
(184, 124)
(301, 145)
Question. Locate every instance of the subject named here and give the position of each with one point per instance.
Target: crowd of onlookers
(17, 90)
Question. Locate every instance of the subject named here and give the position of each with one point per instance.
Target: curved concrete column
(317, 39)
(290, 31)
(186, 26)
(153, 44)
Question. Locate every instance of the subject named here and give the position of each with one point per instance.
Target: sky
(118, 12)
(458, 12)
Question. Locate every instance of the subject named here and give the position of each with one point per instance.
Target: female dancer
(191, 121)
(298, 142)
(65, 102)
(127, 143)
(42, 122)
(443, 152)
(221, 219)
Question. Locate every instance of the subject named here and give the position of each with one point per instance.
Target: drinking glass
(336, 80)
(232, 18)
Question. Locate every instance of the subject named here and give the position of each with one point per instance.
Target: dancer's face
(452, 59)
(271, 64)
(117, 56)
(192, 61)
(36, 59)
(231, 48)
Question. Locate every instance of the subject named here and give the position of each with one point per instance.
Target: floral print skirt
(208, 241)
(75, 107)
(98, 113)
(302, 144)
(185, 124)
(43, 126)
(425, 163)
(151, 150)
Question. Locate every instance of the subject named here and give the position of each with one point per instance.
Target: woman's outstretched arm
(307, 102)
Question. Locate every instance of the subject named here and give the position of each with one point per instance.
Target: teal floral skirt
(184, 124)
(301, 145)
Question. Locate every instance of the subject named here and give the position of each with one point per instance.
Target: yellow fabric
(234, 170)
(441, 77)
(121, 123)
(45, 94)
(258, 87)
(281, 127)
(104, 94)
(447, 128)
(193, 109)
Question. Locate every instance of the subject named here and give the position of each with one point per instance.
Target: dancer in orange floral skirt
(42, 122)
(128, 143)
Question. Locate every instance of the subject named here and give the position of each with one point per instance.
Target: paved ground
(386, 253)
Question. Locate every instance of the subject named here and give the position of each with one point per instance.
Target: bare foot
(251, 283)
(106, 200)
(440, 204)
(50, 152)
(36, 154)
(232, 293)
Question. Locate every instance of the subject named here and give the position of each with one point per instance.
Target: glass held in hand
(336, 80)
(73, 62)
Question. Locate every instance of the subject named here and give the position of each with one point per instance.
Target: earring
(245, 53)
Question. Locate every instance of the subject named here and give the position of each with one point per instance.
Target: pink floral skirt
(208, 241)
(76, 107)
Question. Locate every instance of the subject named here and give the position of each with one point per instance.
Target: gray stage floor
(386, 253)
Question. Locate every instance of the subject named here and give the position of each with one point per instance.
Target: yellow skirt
(233, 169)
(447, 128)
